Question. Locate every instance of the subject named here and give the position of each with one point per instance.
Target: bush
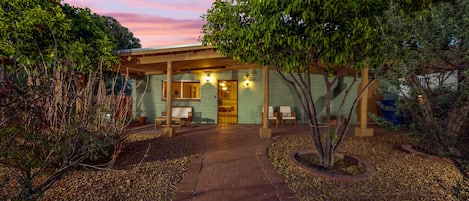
(52, 126)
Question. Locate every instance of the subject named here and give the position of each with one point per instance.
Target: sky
(156, 23)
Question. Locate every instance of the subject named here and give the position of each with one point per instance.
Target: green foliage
(63, 35)
(121, 35)
(293, 34)
(23, 22)
(427, 52)
(296, 38)
(90, 39)
(54, 110)
(428, 64)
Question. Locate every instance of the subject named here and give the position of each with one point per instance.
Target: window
(183, 90)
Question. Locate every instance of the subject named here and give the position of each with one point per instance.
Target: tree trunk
(327, 159)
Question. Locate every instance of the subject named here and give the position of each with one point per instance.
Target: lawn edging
(369, 173)
(410, 149)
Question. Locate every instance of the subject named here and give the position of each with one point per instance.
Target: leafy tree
(89, 40)
(121, 35)
(89, 29)
(297, 38)
(21, 28)
(55, 113)
(427, 57)
(89, 26)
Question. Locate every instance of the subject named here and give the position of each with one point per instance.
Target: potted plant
(333, 119)
(141, 117)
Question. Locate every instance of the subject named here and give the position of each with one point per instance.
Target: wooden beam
(155, 51)
(180, 57)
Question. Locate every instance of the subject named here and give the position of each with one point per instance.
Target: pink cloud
(146, 19)
(160, 30)
(191, 7)
(155, 23)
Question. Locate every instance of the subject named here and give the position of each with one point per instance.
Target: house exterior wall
(250, 98)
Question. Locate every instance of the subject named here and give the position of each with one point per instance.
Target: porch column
(363, 131)
(265, 131)
(169, 131)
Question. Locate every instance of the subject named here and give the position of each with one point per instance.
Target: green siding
(250, 98)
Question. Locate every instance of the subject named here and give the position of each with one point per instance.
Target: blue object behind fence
(389, 112)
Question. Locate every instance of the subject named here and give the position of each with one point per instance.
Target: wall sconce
(246, 81)
(208, 78)
(420, 98)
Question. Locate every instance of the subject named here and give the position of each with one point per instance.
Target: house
(219, 90)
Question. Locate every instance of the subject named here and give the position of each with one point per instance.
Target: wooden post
(265, 131)
(364, 100)
(363, 130)
(169, 131)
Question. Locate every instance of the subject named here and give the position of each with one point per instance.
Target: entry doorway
(227, 102)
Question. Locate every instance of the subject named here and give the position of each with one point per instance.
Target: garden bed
(399, 175)
(150, 168)
(347, 168)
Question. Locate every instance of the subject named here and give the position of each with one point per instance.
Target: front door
(227, 102)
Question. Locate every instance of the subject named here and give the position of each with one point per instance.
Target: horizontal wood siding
(250, 98)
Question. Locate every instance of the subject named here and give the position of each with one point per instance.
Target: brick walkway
(231, 165)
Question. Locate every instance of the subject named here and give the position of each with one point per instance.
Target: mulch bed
(399, 175)
(150, 168)
(347, 168)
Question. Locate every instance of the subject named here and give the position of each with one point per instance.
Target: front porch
(199, 76)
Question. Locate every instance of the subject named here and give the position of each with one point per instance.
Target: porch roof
(184, 58)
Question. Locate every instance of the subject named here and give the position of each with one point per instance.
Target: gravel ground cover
(399, 175)
(149, 168)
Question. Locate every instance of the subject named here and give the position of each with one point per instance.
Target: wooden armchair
(287, 114)
(272, 116)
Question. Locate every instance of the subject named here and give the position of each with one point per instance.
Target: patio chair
(287, 114)
(272, 116)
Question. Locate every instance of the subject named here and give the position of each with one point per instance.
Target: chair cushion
(271, 111)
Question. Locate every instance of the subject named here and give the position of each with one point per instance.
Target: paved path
(231, 166)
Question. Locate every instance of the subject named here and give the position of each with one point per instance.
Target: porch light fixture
(420, 98)
(247, 82)
(208, 78)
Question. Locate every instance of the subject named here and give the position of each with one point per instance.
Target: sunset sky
(155, 22)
